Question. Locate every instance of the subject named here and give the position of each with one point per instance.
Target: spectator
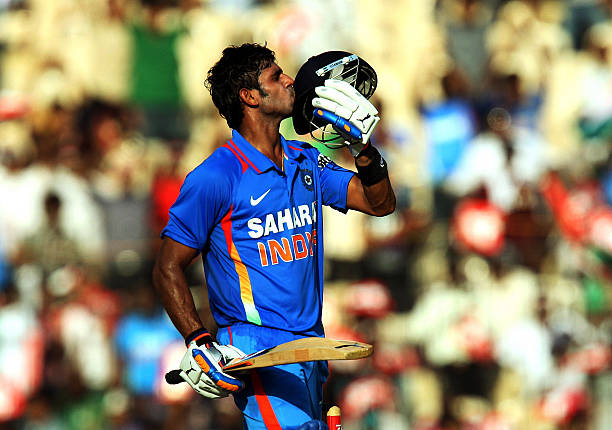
(49, 246)
(466, 23)
(21, 359)
(595, 121)
(141, 335)
(582, 15)
(155, 87)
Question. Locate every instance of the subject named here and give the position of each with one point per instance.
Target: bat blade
(300, 350)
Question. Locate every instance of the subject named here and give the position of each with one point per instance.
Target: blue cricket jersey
(259, 230)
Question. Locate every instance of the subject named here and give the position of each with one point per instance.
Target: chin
(289, 111)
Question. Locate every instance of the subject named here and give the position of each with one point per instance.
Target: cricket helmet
(313, 73)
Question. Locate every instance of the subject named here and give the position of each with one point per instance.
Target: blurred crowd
(487, 294)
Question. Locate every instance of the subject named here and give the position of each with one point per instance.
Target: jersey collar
(255, 159)
(292, 148)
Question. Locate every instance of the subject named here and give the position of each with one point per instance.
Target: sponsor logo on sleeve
(322, 161)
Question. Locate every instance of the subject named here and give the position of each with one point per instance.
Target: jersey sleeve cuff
(344, 186)
(179, 238)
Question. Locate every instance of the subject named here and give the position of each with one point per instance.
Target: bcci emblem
(307, 179)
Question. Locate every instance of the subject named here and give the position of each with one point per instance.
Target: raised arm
(376, 198)
(355, 119)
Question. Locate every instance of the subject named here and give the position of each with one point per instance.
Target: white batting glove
(201, 368)
(342, 99)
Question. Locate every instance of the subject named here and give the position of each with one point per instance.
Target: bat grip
(174, 377)
(340, 124)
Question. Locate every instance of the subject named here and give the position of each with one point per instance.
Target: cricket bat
(296, 351)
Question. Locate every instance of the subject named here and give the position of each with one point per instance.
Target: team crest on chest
(307, 179)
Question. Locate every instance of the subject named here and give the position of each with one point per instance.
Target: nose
(288, 80)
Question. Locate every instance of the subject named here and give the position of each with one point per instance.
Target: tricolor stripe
(233, 145)
(246, 292)
(265, 407)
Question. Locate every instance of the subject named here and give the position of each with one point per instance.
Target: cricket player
(253, 210)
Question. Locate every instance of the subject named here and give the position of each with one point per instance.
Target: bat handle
(174, 377)
(338, 122)
(333, 418)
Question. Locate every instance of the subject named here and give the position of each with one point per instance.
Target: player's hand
(342, 99)
(201, 368)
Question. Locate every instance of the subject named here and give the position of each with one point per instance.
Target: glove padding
(342, 99)
(201, 367)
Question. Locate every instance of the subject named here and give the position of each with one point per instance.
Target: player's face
(276, 91)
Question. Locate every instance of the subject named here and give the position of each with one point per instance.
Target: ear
(249, 97)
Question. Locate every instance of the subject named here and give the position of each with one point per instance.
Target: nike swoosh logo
(255, 202)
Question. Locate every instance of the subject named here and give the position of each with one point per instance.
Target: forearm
(171, 285)
(377, 188)
(380, 197)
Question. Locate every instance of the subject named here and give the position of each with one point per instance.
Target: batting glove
(201, 367)
(342, 99)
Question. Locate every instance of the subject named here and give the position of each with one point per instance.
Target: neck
(265, 137)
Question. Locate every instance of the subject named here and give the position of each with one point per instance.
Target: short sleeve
(202, 201)
(334, 183)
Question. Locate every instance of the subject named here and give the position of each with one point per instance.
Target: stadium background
(487, 293)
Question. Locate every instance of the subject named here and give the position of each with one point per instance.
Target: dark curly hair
(239, 67)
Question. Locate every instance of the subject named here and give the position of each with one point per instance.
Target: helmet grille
(349, 69)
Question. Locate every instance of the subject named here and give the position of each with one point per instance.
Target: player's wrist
(371, 167)
(200, 337)
(365, 155)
